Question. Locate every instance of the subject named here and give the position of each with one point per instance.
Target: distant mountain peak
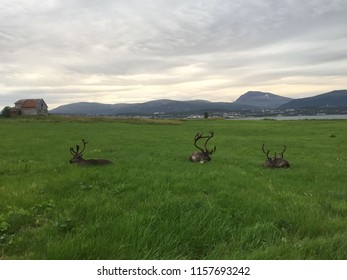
(262, 99)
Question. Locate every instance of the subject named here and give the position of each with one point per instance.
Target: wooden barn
(30, 107)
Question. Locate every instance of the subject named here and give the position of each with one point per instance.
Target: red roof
(30, 103)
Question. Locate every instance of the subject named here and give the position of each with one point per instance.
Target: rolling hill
(337, 98)
(151, 107)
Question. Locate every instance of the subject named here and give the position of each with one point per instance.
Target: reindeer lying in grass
(205, 154)
(275, 162)
(78, 157)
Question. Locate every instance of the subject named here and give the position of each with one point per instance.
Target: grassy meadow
(152, 203)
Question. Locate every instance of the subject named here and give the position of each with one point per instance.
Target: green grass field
(152, 203)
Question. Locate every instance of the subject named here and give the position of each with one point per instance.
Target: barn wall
(29, 112)
(42, 108)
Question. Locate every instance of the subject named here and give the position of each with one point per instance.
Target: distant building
(30, 107)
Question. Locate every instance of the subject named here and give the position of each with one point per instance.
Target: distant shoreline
(296, 118)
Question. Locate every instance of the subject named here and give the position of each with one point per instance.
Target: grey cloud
(52, 43)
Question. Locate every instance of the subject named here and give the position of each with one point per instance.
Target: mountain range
(251, 100)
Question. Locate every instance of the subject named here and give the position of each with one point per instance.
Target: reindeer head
(205, 154)
(77, 155)
(275, 162)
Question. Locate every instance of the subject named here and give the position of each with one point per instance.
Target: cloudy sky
(114, 51)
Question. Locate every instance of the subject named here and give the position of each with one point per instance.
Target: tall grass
(152, 203)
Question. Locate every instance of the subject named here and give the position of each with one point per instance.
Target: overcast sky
(114, 51)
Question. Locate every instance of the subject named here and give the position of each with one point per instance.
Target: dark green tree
(206, 115)
(6, 112)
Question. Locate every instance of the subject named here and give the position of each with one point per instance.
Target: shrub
(6, 112)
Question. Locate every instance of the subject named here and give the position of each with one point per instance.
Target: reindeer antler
(281, 154)
(266, 153)
(73, 152)
(212, 151)
(197, 137)
(77, 152)
(84, 146)
(208, 139)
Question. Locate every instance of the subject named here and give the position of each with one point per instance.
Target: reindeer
(78, 157)
(275, 162)
(205, 154)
